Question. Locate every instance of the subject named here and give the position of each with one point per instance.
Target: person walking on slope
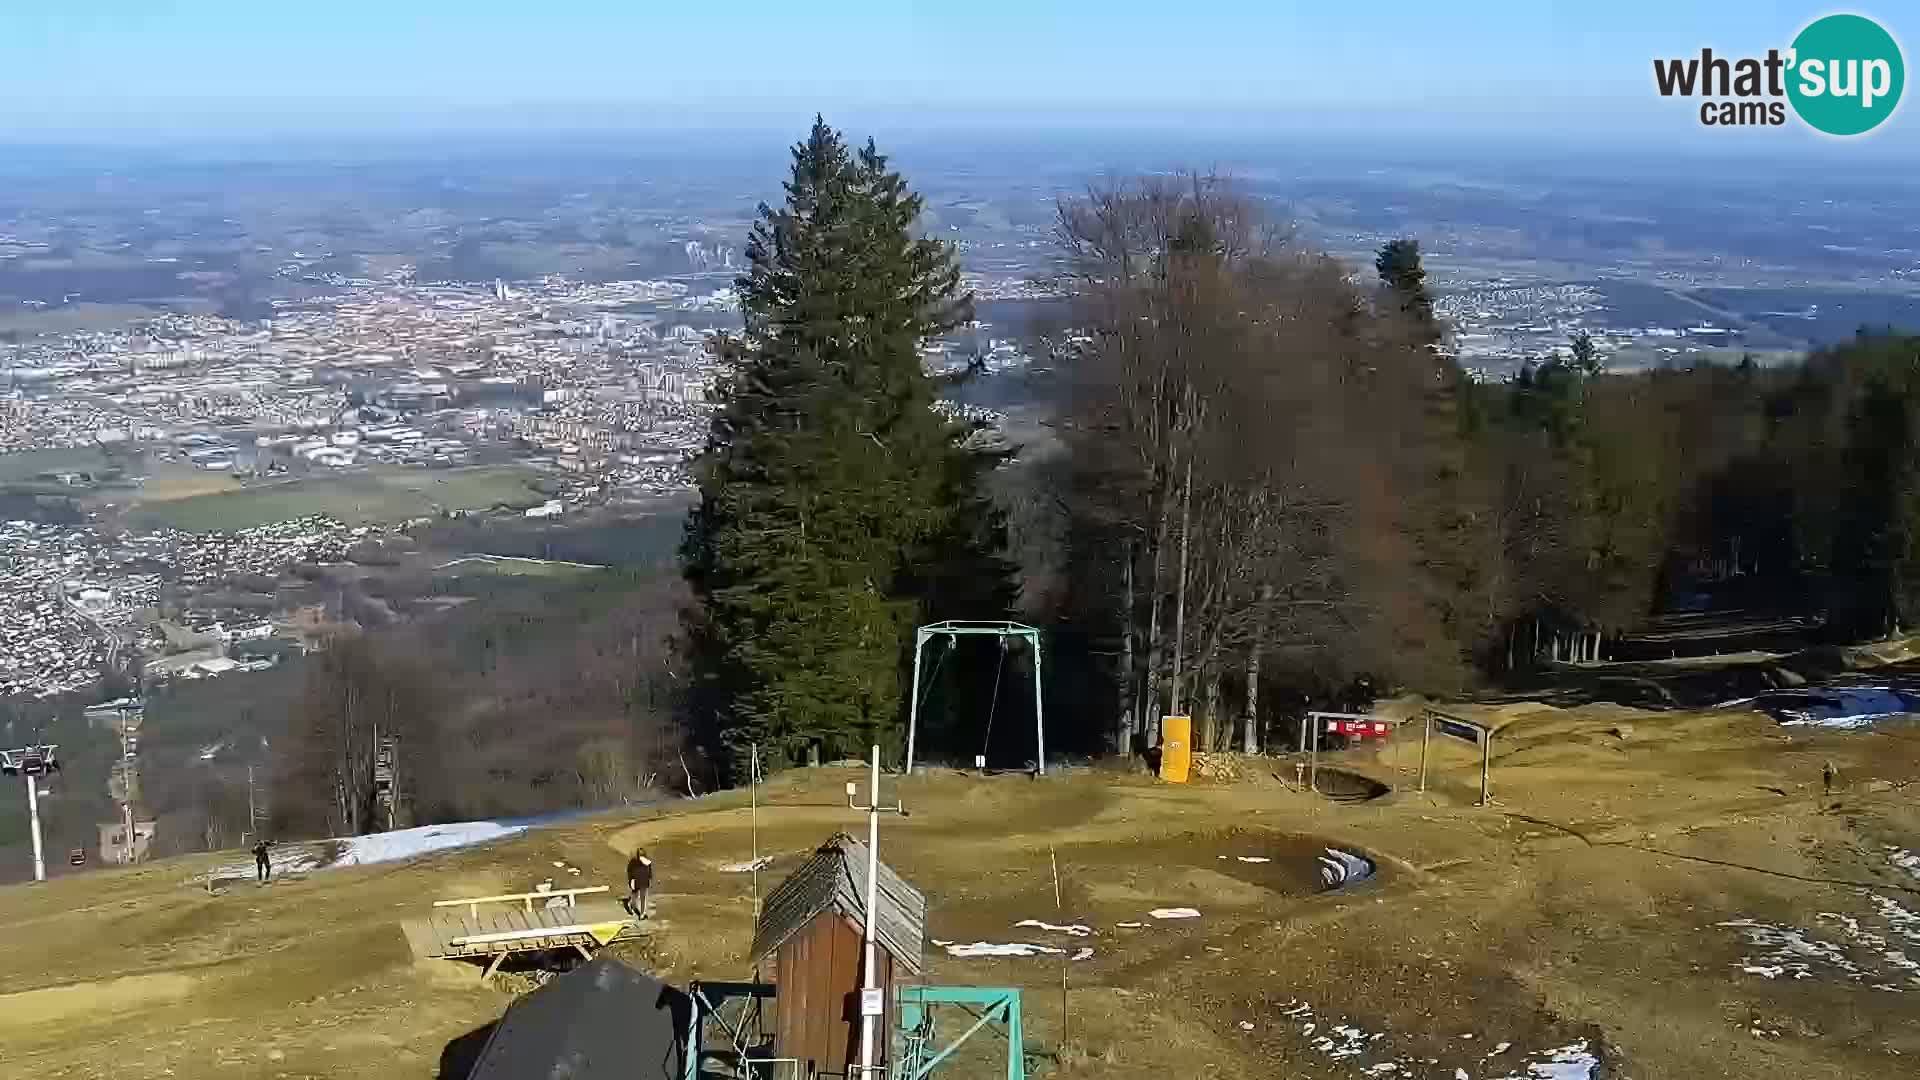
(262, 864)
(1827, 776)
(639, 880)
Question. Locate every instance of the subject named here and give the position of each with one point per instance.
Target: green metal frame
(962, 628)
(708, 998)
(914, 1054)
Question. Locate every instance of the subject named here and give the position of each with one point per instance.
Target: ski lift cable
(933, 676)
(993, 705)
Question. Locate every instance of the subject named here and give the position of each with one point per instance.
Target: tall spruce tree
(1398, 264)
(837, 508)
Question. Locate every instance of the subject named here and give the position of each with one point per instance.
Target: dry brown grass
(1581, 906)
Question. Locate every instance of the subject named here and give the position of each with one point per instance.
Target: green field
(382, 495)
(26, 464)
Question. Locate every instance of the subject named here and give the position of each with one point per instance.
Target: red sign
(1359, 729)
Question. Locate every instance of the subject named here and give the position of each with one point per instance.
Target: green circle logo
(1847, 74)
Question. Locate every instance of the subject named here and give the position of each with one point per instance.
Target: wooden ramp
(493, 927)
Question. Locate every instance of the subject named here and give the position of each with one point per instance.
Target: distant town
(602, 391)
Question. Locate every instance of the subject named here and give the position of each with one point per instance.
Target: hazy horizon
(132, 75)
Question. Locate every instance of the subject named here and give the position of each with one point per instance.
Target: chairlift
(31, 761)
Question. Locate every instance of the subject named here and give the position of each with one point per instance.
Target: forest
(1275, 486)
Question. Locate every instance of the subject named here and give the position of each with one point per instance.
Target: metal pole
(1486, 760)
(1039, 725)
(1313, 768)
(873, 877)
(913, 704)
(753, 818)
(33, 811)
(1426, 737)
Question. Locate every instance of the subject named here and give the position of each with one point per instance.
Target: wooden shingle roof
(835, 878)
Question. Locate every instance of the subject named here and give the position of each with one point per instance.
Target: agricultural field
(377, 495)
(21, 466)
(1649, 895)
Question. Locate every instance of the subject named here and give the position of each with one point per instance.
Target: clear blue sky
(102, 69)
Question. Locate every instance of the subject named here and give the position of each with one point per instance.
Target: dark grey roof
(836, 878)
(600, 1021)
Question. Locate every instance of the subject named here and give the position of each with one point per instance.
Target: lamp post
(871, 1007)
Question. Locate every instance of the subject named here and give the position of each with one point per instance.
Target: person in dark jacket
(639, 880)
(262, 863)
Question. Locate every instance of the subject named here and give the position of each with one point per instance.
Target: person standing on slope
(639, 880)
(262, 863)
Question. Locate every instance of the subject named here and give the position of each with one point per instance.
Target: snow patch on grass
(412, 843)
(1071, 930)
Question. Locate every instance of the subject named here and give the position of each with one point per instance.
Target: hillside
(1626, 850)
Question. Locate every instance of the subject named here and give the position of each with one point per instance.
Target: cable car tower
(32, 762)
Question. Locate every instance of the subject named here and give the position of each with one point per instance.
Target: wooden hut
(814, 926)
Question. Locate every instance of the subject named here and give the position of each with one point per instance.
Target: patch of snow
(1900, 920)
(748, 866)
(1461, 1074)
(1501, 1049)
(1341, 1041)
(1571, 1062)
(1130, 925)
(1082, 954)
(1246, 858)
(1072, 929)
(1385, 1068)
(1792, 950)
(988, 948)
(1246, 1025)
(411, 843)
(1905, 860)
(1174, 913)
(1338, 868)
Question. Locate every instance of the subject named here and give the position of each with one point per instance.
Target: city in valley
(767, 542)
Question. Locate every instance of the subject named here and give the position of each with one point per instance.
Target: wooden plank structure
(813, 924)
(495, 927)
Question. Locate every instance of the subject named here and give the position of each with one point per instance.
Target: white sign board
(873, 1002)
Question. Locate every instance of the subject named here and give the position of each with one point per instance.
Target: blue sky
(86, 69)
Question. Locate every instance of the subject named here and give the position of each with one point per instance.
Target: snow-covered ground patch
(1570, 1062)
(1372, 1053)
(1339, 868)
(748, 866)
(411, 843)
(1855, 951)
(1905, 860)
(990, 948)
(306, 856)
(1071, 929)
(1174, 913)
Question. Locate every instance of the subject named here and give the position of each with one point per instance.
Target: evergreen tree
(1874, 541)
(836, 505)
(1585, 359)
(1398, 264)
